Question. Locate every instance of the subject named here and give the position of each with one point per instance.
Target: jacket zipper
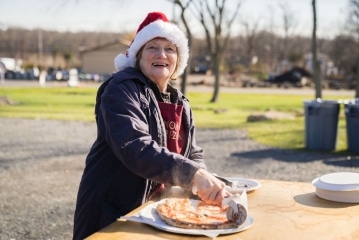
(163, 139)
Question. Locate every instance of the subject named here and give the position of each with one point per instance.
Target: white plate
(243, 184)
(338, 181)
(149, 216)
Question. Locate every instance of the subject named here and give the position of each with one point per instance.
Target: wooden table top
(281, 210)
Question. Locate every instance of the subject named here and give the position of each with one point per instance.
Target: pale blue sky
(126, 15)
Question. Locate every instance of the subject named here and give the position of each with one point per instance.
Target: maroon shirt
(172, 116)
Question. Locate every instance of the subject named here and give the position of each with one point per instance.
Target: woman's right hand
(209, 188)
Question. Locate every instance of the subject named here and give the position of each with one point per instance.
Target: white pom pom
(121, 62)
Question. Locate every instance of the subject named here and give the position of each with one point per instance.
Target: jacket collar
(132, 73)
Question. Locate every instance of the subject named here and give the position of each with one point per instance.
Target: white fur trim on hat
(155, 29)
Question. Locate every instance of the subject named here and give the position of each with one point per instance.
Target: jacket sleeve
(125, 126)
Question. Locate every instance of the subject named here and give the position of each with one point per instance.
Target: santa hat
(155, 25)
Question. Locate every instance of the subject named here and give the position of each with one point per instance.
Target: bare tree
(183, 6)
(288, 24)
(216, 20)
(341, 50)
(251, 37)
(316, 68)
(353, 26)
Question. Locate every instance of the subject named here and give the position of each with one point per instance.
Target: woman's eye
(171, 50)
(152, 47)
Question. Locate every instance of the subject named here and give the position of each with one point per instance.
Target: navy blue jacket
(129, 154)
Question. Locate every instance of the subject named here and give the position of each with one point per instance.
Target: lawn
(232, 111)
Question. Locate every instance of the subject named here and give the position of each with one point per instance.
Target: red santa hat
(155, 25)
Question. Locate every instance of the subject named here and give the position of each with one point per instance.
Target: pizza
(194, 214)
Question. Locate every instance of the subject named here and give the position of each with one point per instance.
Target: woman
(145, 132)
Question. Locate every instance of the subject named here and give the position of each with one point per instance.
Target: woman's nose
(161, 52)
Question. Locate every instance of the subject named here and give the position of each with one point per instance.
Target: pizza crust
(193, 214)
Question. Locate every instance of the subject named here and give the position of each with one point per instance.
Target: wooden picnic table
(280, 209)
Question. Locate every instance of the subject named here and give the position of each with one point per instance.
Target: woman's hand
(209, 188)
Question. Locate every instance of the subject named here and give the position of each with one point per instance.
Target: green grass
(50, 103)
(277, 133)
(231, 111)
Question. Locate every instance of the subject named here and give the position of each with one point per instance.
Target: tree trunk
(184, 81)
(217, 57)
(316, 65)
(216, 82)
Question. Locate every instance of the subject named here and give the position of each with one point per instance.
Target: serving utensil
(228, 182)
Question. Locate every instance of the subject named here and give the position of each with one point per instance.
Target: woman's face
(158, 61)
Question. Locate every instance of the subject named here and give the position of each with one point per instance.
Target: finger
(204, 195)
(220, 196)
(216, 196)
(213, 196)
(227, 193)
(208, 196)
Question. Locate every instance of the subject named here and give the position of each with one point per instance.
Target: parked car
(294, 76)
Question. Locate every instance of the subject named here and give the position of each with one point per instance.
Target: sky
(126, 15)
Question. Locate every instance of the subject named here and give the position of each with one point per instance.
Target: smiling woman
(146, 132)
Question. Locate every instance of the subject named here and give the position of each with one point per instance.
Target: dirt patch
(6, 101)
(270, 115)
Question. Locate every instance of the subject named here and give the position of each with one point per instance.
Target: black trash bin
(321, 124)
(352, 124)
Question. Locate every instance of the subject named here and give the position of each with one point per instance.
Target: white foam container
(338, 187)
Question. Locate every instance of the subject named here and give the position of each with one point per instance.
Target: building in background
(100, 59)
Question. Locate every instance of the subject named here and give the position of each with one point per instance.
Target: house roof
(123, 42)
